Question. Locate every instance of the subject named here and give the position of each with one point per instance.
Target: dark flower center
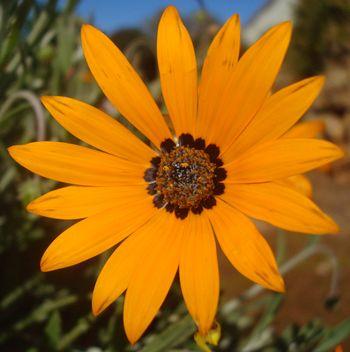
(186, 176)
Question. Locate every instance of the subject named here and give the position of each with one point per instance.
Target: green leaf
(173, 336)
(270, 313)
(53, 329)
(334, 336)
(81, 327)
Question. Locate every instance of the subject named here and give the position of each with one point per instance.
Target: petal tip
(321, 79)
(86, 30)
(96, 309)
(131, 336)
(44, 98)
(277, 282)
(339, 153)
(86, 27)
(10, 149)
(280, 287)
(170, 13)
(284, 29)
(133, 331)
(44, 265)
(98, 304)
(31, 207)
(171, 9)
(342, 153)
(316, 81)
(235, 18)
(334, 228)
(287, 25)
(47, 99)
(13, 151)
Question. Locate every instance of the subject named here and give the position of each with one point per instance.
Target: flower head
(166, 205)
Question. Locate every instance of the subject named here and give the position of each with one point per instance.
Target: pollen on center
(186, 176)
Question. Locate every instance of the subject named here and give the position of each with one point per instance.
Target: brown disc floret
(186, 176)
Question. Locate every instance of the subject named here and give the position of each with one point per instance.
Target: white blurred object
(273, 12)
(94, 349)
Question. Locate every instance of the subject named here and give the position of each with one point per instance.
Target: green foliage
(176, 334)
(334, 336)
(321, 34)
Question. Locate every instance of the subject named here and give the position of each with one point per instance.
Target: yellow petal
(280, 112)
(116, 273)
(74, 164)
(92, 236)
(153, 275)
(96, 128)
(199, 274)
(218, 68)
(245, 247)
(178, 71)
(281, 158)
(77, 202)
(249, 86)
(122, 85)
(306, 129)
(281, 206)
(300, 183)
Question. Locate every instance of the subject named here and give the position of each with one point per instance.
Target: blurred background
(40, 54)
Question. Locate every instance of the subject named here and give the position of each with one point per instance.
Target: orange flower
(165, 205)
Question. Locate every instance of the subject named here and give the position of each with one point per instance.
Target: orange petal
(217, 71)
(96, 128)
(280, 112)
(76, 202)
(245, 247)
(178, 71)
(300, 183)
(281, 206)
(96, 234)
(153, 274)
(306, 129)
(116, 273)
(122, 85)
(278, 159)
(74, 164)
(249, 86)
(199, 274)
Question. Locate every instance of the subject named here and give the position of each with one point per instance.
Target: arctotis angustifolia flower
(167, 205)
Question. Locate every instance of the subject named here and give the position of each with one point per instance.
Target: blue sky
(114, 14)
